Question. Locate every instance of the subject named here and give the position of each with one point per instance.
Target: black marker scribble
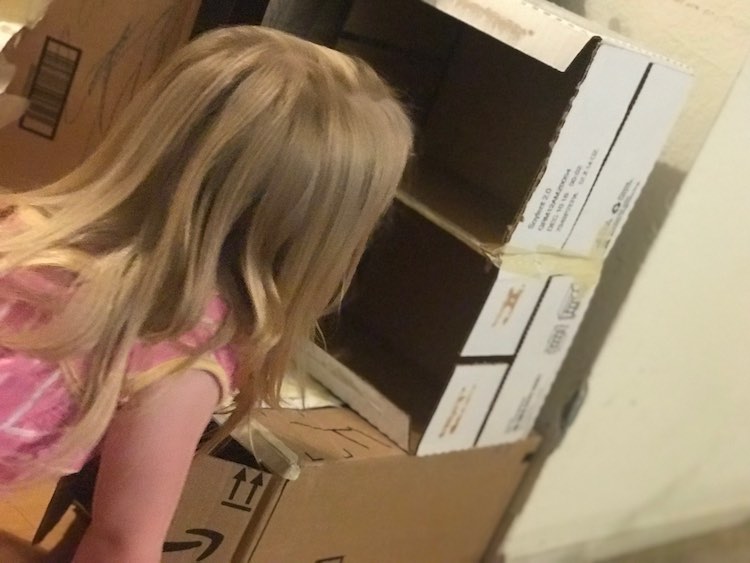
(146, 40)
(341, 432)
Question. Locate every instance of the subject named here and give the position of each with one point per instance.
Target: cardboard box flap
(326, 435)
(587, 134)
(538, 28)
(476, 171)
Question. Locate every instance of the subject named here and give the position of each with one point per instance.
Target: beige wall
(660, 448)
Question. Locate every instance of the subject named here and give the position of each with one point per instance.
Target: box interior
(486, 114)
(410, 308)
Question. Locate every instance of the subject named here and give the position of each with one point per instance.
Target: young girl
(186, 259)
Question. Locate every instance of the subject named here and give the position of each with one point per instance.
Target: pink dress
(35, 401)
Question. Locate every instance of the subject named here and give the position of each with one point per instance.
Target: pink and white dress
(36, 403)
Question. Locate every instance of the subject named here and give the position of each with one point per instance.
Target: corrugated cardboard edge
(518, 24)
(515, 505)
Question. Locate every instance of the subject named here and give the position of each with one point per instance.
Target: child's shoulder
(150, 361)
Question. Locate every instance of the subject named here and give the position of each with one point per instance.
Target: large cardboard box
(78, 67)
(536, 133)
(357, 498)
(429, 331)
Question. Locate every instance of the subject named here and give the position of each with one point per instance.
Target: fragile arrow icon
(238, 480)
(214, 541)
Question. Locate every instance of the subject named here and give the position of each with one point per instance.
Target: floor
(21, 512)
(725, 546)
(19, 515)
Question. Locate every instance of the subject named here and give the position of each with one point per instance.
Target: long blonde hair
(255, 163)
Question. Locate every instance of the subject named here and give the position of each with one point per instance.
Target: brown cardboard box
(536, 132)
(79, 67)
(358, 498)
(432, 328)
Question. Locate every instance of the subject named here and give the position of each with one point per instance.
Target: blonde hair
(255, 163)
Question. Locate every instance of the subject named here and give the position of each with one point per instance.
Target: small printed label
(462, 408)
(535, 367)
(557, 339)
(49, 90)
(571, 304)
(632, 158)
(577, 155)
(504, 316)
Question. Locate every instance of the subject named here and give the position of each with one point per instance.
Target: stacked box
(535, 135)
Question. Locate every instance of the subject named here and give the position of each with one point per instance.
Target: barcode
(50, 87)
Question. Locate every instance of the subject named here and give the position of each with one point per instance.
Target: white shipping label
(584, 140)
(630, 162)
(534, 370)
(504, 316)
(462, 408)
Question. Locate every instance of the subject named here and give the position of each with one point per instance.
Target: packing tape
(269, 450)
(543, 263)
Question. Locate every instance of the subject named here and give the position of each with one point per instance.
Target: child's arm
(145, 458)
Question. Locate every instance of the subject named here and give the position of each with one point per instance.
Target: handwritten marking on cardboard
(214, 541)
(337, 559)
(239, 480)
(348, 433)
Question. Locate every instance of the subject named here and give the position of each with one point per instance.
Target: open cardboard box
(536, 130)
(535, 135)
(357, 497)
(429, 331)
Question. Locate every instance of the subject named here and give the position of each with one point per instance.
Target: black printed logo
(238, 493)
(214, 541)
(571, 304)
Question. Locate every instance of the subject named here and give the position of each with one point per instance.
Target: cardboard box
(431, 327)
(531, 115)
(430, 331)
(78, 67)
(357, 498)
(536, 134)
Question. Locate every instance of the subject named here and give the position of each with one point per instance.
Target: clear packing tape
(544, 262)
(14, 16)
(267, 449)
(585, 270)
